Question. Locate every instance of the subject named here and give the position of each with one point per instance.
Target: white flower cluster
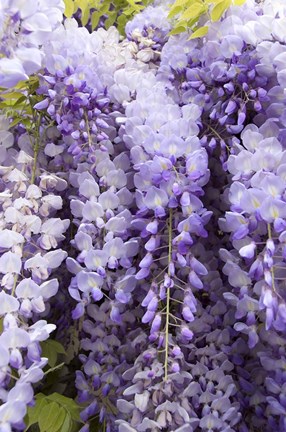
(24, 27)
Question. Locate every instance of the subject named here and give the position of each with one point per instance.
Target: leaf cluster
(17, 103)
(187, 13)
(117, 12)
(53, 413)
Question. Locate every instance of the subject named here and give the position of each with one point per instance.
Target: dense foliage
(143, 216)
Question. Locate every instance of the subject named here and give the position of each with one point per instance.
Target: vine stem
(272, 267)
(14, 285)
(36, 149)
(168, 300)
(87, 129)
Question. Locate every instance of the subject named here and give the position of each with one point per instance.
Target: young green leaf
(175, 11)
(69, 8)
(105, 8)
(110, 20)
(85, 14)
(194, 11)
(180, 29)
(82, 4)
(181, 3)
(219, 9)
(95, 17)
(200, 32)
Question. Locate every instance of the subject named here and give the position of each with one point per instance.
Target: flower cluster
(200, 391)
(30, 237)
(110, 349)
(86, 104)
(150, 30)
(144, 201)
(257, 226)
(23, 29)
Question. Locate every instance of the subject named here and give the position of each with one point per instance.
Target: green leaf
(20, 101)
(11, 95)
(69, 404)
(180, 3)
(178, 30)
(121, 22)
(58, 346)
(239, 2)
(27, 122)
(175, 11)
(95, 17)
(54, 413)
(194, 11)
(33, 412)
(33, 83)
(51, 349)
(59, 418)
(200, 32)
(47, 415)
(104, 8)
(69, 8)
(219, 9)
(81, 4)
(85, 14)
(134, 5)
(22, 85)
(67, 424)
(110, 20)
(16, 121)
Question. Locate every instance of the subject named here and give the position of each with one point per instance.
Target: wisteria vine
(143, 221)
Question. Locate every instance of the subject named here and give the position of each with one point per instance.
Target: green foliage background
(186, 14)
(116, 12)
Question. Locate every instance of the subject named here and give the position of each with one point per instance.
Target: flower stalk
(168, 299)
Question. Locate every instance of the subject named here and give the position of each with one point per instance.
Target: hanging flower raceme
(86, 104)
(200, 392)
(172, 169)
(109, 351)
(30, 237)
(105, 246)
(257, 227)
(103, 239)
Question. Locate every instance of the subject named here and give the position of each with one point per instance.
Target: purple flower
(272, 209)
(156, 198)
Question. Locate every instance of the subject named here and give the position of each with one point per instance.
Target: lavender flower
(21, 37)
